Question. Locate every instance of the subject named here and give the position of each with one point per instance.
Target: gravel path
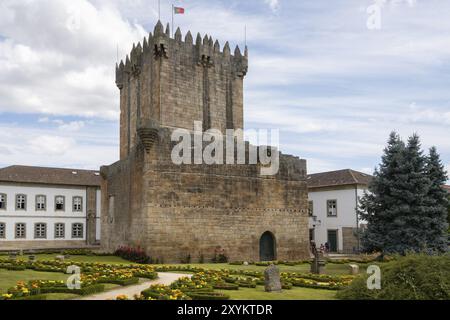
(163, 278)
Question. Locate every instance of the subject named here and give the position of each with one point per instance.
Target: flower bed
(161, 292)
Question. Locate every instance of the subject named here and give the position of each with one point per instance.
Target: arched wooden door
(267, 247)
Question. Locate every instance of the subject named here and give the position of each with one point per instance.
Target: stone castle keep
(176, 211)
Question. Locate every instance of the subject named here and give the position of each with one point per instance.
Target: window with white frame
(60, 231)
(21, 202)
(40, 231)
(2, 230)
(41, 203)
(21, 231)
(77, 204)
(332, 208)
(2, 201)
(77, 231)
(59, 203)
(311, 208)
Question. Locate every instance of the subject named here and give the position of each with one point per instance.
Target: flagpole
(173, 26)
(159, 10)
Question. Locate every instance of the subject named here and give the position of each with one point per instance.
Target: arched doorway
(267, 247)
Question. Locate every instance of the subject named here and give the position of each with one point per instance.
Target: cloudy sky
(334, 86)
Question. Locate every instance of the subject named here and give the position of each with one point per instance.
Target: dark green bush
(226, 286)
(121, 282)
(207, 296)
(96, 288)
(35, 297)
(414, 277)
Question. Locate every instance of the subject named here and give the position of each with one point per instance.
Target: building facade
(333, 201)
(49, 208)
(178, 211)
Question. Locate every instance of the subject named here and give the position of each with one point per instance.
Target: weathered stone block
(272, 281)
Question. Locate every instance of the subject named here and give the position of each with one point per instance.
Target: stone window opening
(40, 231)
(332, 208)
(77, 231)
(21, 232)
(60, 231)
(59, 203)
(77, 204)
(21, 202)
(2, 201)
(311, 208)
(41, 203)
(2, 230)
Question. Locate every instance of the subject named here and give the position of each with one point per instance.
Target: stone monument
(272, 279)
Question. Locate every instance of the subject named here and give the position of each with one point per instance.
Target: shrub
(226, 286)
(286, 285)
(95, 288)
(220, 256)
(208, 296)
(137, 255)
(121, 282)
(414, 277)
(16, 268)
(186, 260)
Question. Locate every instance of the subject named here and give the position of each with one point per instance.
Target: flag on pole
(178, 10)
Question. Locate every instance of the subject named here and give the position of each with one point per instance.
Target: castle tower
(194, 210)
(168, 82)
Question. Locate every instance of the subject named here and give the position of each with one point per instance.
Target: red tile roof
(57, 176)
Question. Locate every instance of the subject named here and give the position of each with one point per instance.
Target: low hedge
(34, 297)
(286, 285)
(146, 275)
(208, 296)
(121, 282)
(16, 268)
(226, 286)
(245, 284)
(95, 288)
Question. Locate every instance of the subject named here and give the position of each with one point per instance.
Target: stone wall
(349, 240)
(40, 245)
(175, 211)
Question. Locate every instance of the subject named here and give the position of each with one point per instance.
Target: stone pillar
(91, 215)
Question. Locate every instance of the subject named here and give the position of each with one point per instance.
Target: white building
(43, 208)
(333, 199)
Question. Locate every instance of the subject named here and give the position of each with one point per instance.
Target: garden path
(130, 291)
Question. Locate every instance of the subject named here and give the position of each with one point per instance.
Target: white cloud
(273, 4)
(50, 145)
(72, 126)
(62, 71)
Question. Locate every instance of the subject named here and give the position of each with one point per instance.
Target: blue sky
(332, 86)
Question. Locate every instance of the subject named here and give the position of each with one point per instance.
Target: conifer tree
(437, 203)
(376, 206)
(406, 206)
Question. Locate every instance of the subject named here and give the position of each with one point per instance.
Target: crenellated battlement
(160, 44)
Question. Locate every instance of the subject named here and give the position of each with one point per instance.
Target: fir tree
(376, 205)
(406, 206)
(437, 203)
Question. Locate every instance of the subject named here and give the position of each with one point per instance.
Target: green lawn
(9, 279)
(294, 294)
